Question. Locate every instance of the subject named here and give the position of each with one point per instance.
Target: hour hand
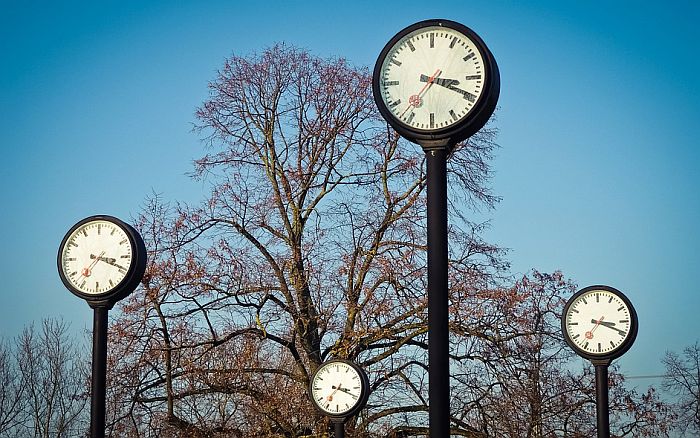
(447, 83)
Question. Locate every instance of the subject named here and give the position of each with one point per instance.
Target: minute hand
(611, 325)
(450, 85)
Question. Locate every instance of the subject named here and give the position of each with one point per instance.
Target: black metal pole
(602, 403)
(99, 372)
(438, 328)
(339, 429)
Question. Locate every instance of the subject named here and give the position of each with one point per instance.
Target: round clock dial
(100, 255)
(599, 321)
(339, 388)
(435, 76)
(432, 77)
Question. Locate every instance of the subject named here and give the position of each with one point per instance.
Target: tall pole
(99, 372)
(339, 429)
(602, 403)
(438, 328)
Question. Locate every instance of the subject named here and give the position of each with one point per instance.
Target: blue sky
(599, 110)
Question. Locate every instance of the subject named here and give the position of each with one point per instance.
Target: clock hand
(114, 263)
(416, 99)
(467, 95)
(109, 260)
(450, 85)
(447, 83)
(589, 334)
(348, 392)
(330, 397)
(87, 271)
(610, 325)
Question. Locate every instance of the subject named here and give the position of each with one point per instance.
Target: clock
(434, 80)
(339, 389)
(101, 259)
(599, 322)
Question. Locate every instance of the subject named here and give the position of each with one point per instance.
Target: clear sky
(599, 125)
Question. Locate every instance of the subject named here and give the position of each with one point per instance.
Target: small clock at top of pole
(436, 80)
(102, 260)
(339, 389)
(599, 323)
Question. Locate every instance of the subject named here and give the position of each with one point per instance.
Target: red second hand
(330, 397)
(88, 271)
(410, 100)
(589, 334)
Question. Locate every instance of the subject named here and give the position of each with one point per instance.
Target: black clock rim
(626, 343)
(361, 401)
(133, 276)
(472, 122)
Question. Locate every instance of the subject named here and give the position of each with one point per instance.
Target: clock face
(338, 388)
(432, 78)
(599, 322)
(96, 256)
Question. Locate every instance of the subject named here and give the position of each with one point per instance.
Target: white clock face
(598, 322)
(432, 78)
(96, 257)
(336, 388)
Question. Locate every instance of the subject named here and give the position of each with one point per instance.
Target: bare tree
(682, 379)
(45, 383)
(513, 375)
(311, 245)
(12, 414)
(55, 377)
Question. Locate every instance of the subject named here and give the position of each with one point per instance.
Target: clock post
(339, 428)
(600, 324)
(101, 260)
(438, 305)
(339, 389)
(436, 83)
(602, 402)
